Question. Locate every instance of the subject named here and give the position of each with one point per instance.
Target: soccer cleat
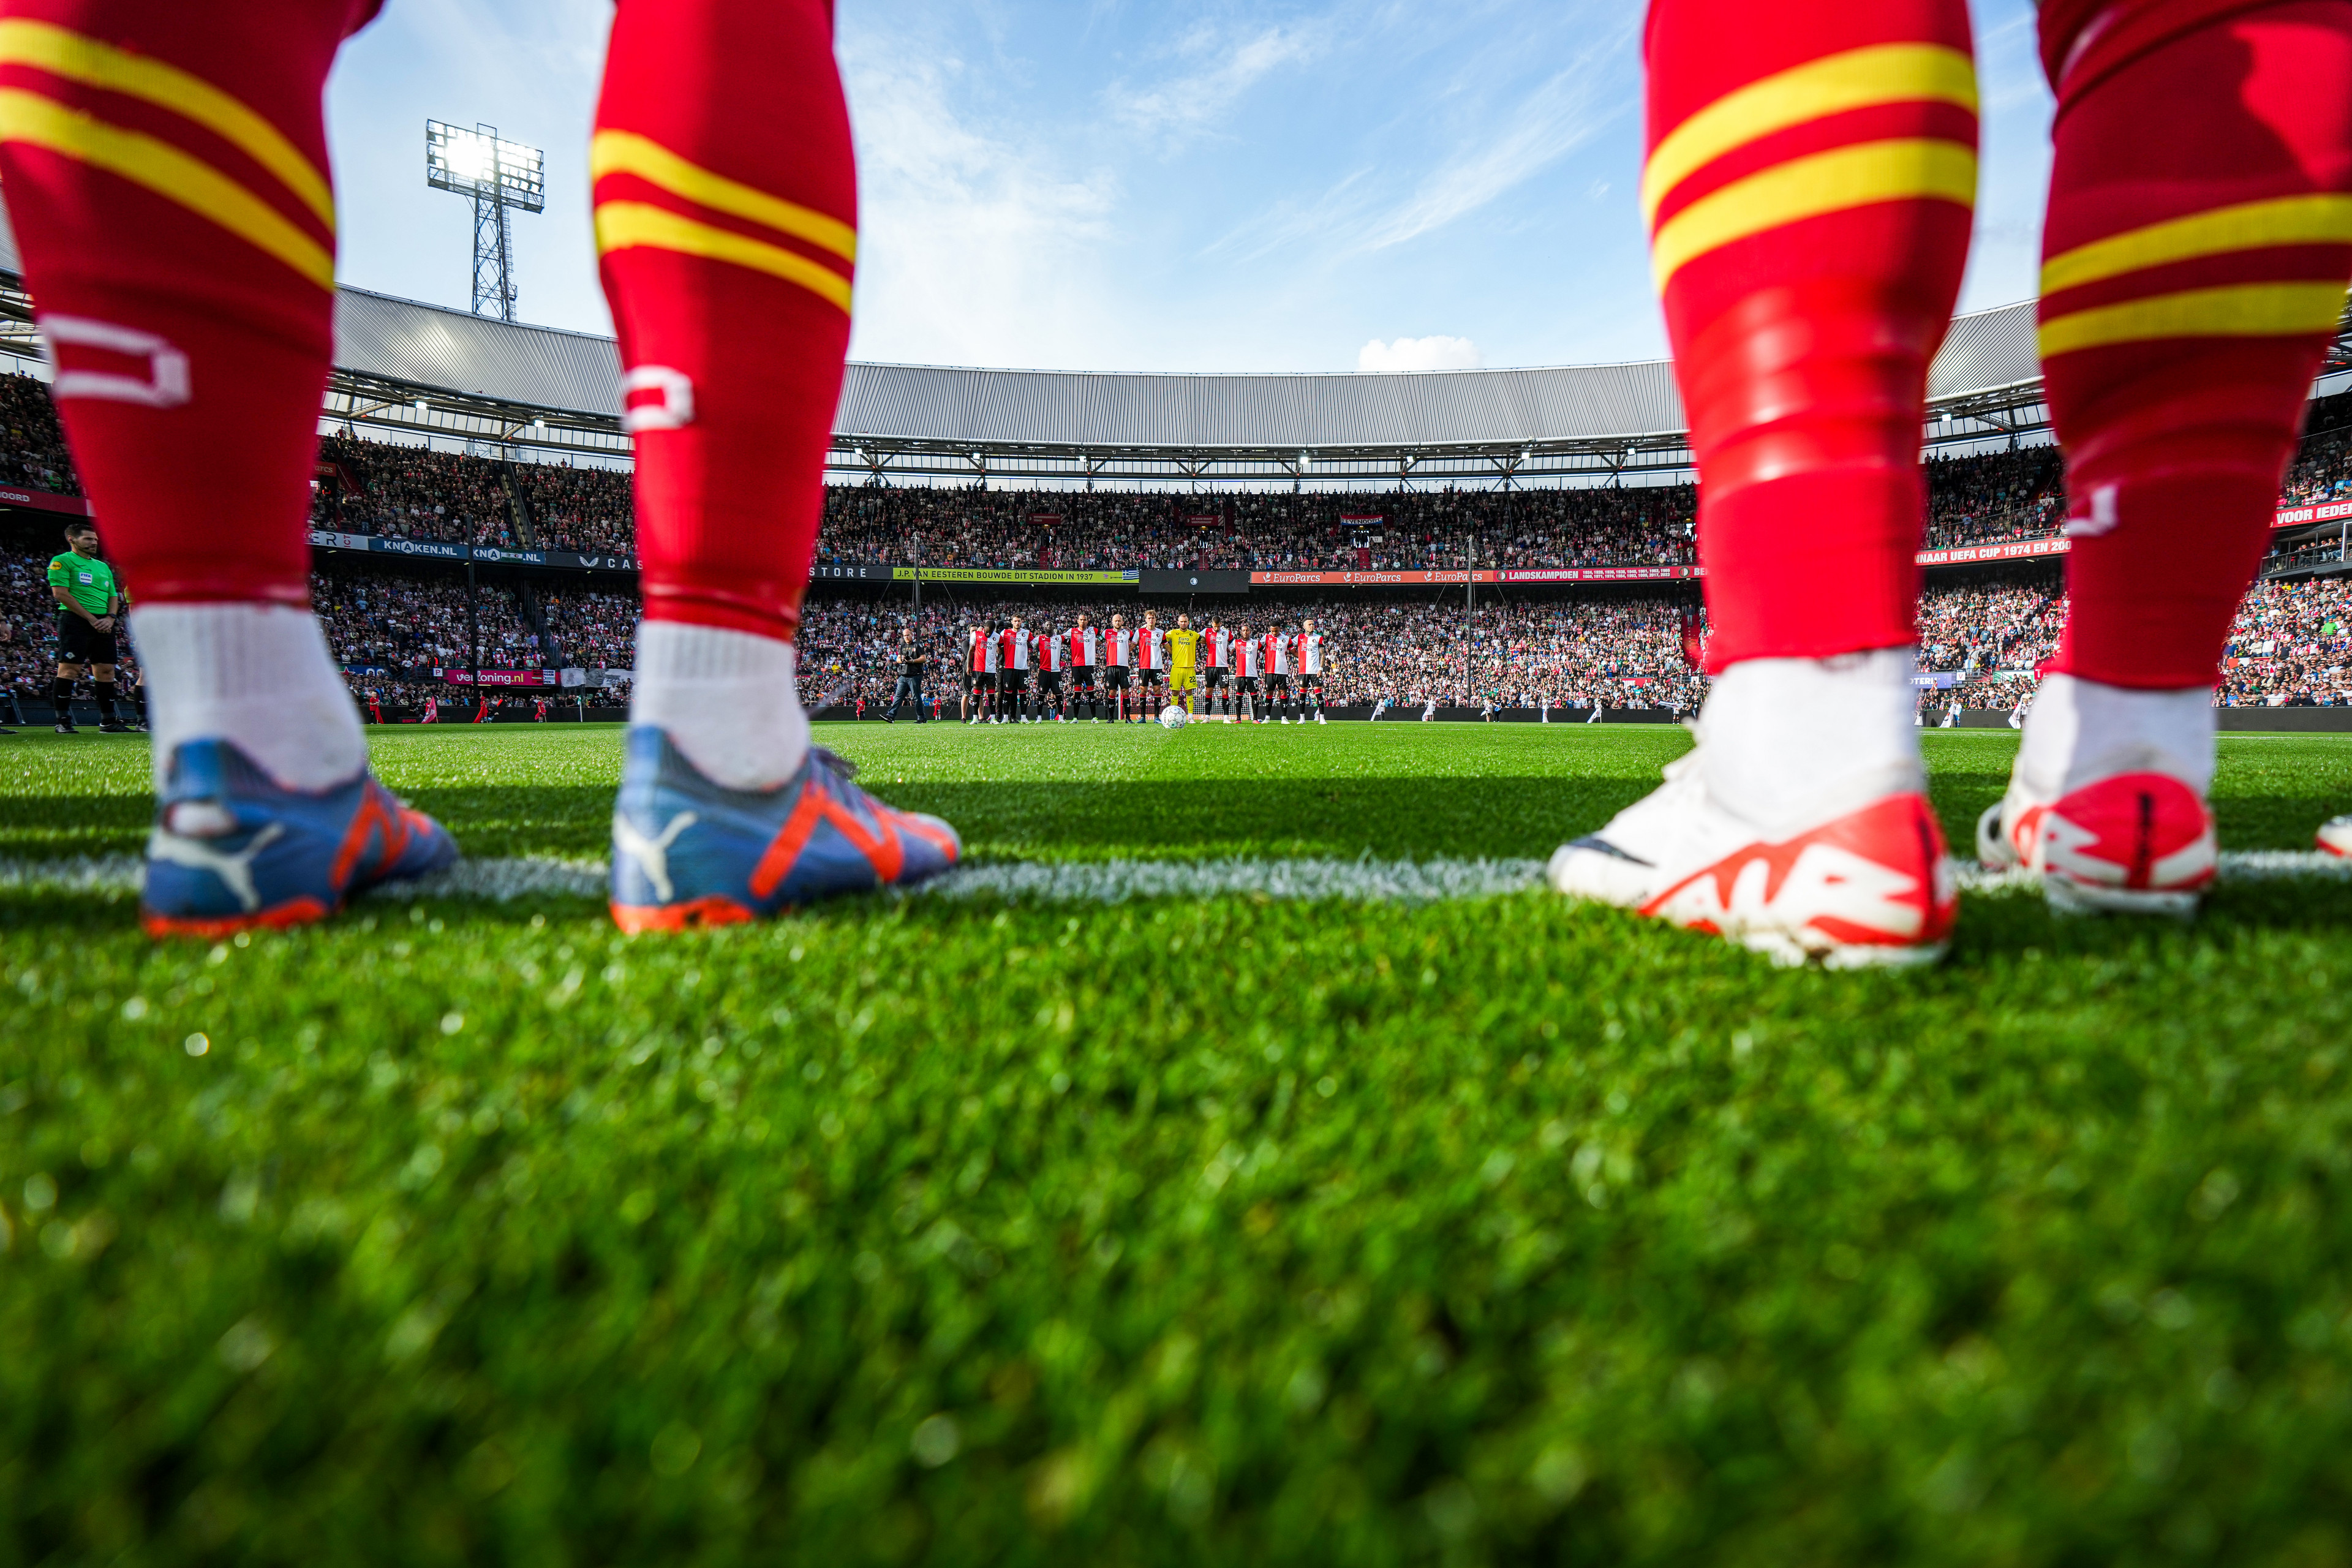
(1867, 885)
(66, 727)
(233, 850)
(687, 852)
(2335, 836)
(112, 726)
(2135, 843)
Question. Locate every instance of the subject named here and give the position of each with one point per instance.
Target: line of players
(1125, 674)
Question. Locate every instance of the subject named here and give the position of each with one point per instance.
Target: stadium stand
(393, 627)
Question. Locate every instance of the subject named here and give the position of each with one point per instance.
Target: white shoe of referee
(1799, 825)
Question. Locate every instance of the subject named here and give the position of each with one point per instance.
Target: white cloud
(972, 247)
(1188, 104)
(1419, 353)
(1569, 110)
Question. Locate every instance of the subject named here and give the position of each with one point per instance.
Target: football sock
(166, 171)
(1810, 176)
(728, 698)
(726, 210)
(61, 699)
(2194, 254)
(258, 675)
(1788, 742)
(2081, 731)
(104, 691)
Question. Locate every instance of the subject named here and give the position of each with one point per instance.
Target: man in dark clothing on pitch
(910, 680)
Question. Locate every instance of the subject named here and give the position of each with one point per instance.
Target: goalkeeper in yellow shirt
(1183, 650)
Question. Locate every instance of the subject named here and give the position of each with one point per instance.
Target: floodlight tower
(498, 175)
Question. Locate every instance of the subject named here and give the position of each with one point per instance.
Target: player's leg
(2196, 249)
(101, 685)
(61, 692)
(166, 172)
(1810, 176)
(725, 214)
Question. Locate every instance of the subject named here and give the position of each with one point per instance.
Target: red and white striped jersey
(1013, 651)
(1051, 653)
(1277, 654)
(1252, 656)
(1118, 648)
(984, 652)
(1219, 643)
(1151, 648)
(1310, 653)
(1085, 647)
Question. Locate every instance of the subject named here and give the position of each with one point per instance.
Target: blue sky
(1107, 185)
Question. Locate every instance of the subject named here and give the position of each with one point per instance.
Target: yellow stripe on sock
(2239, 311)
(62, 52)
(174, 175)
(2248, 226)
(623, 225)
(1844, 177)
(1858, 78)
(627, 153)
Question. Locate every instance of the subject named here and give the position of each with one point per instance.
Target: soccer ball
(1172, 717)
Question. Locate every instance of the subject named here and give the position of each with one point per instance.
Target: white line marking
(1366, 881)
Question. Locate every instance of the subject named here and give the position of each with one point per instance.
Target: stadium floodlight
(496, 174)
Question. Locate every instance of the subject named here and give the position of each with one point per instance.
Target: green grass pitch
(934, 1230)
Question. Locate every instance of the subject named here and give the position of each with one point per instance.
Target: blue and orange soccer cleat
(233, 850)
(688, 852)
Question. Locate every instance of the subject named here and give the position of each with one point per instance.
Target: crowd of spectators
(405, 627)
(583, 508)
(410, 492)
(1995, 498)
(34, 452)
(2292, 643)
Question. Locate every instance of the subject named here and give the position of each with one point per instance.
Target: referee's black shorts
(78, 642)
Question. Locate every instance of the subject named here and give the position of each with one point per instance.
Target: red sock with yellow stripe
(2198, 243)
(166, 172)
(1810, 183)
(726, 220)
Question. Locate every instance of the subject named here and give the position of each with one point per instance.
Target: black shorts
(1115, 677)
(979, 680)
(1011, 680)
(1049, 680)
(1082, 677)
(1274, 683)
(1216, 677)
(1244, 683)
(1150, 678)
(78, 642)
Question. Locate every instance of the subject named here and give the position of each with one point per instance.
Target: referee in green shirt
(89, 600)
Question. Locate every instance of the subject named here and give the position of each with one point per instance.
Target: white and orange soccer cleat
(1799, 826)
(2335, 836)
(1865, 886)
(2106, 802)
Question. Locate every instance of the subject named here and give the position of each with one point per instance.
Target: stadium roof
(426, 370)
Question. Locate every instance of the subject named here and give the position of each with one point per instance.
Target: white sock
(2080, 731)
(728, 698)
(1790, 741)
(256, 674)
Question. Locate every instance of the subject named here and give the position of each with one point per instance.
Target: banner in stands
(1011, 574)
(2290, 516)
(489, 554)
(44, 500)
(501, 677)
(2015, 548)
(1457, 577)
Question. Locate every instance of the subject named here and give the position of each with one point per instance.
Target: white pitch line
(1101, 881)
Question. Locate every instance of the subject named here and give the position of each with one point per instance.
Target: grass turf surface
(1172, 1231)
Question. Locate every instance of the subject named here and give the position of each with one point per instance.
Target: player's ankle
(729, 700)
(258, 675)
(2081, 730)
(1790, 740)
